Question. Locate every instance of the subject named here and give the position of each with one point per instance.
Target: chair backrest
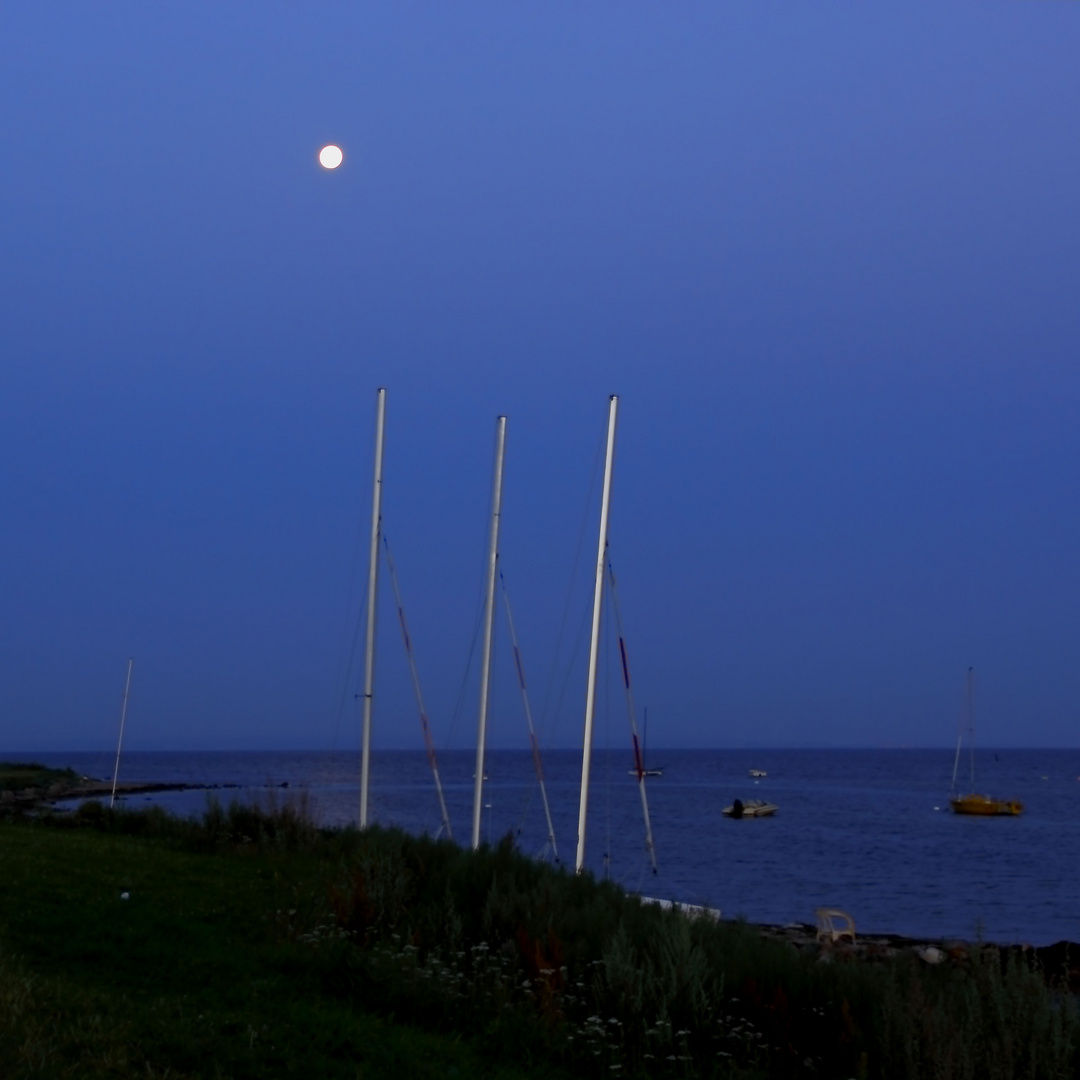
(834, 925)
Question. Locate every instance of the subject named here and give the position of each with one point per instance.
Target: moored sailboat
(974, 803)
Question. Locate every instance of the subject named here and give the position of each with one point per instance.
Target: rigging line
(348, 671)
(583, 627)
(459, 704)
(639, 764)
(425, 726)
(538, 763)
(546, 717)
(607, 761)
(959, 743)
(971, 719)
(347, 656)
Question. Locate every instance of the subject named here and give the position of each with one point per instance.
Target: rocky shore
(1060, 962)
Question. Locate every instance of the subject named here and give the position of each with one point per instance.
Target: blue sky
(827, 254)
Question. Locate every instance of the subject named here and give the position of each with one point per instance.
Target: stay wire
(607, 760)
(459, 704)
(538, 764)
(639, 764)
(547, 718)
(414, 672)
(347, 653)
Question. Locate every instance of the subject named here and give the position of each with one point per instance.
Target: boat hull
(984, 806)
(751, 808)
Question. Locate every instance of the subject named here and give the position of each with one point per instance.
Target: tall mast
(967, 717)
(594, 644)
(123, 717)
(971, 719)
(372, 596)
(489, 622)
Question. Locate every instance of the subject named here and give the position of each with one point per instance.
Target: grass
(22, 776)
(253, 944)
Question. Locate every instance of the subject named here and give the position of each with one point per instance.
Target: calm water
(867, 831)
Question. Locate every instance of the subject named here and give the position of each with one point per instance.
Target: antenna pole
(594, 643)
(489, 623)
(372, 596)
(123, 717)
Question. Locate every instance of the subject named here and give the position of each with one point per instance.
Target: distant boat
(979, 805)
(750, 808)
(757, 774)
(656, 770)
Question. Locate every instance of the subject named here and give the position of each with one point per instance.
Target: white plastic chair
(834, 925)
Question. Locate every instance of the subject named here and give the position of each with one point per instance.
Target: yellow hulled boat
(980, 805)
(985, 806)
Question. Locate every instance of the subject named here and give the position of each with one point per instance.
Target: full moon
(330, 157)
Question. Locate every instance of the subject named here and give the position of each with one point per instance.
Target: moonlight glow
(330, 157)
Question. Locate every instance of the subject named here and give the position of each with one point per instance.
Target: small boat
(975, 804)
(655, 770)
(757, 774)
(986, 806)
(750, 808)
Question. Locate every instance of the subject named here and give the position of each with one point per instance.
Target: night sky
(828, 255)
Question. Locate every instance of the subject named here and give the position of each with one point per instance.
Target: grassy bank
(31, 777)
(250, 944)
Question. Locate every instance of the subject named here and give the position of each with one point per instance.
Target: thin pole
(594, 644)
(489, 623)
(372, 596)
(123, 717)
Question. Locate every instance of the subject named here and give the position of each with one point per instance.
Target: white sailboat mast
(966, 717)
(489, 623)
(372, 596)
(594, 643)
(123, 717)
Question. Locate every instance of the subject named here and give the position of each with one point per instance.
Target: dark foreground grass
(253, 945)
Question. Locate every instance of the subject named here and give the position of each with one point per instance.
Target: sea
(866, 831)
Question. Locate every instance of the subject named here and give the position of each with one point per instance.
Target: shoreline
(31, 798)
(1059, 962)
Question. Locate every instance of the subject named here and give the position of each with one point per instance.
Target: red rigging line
(537, 760)
(639, 764)
(425, 727)
(625, 664)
